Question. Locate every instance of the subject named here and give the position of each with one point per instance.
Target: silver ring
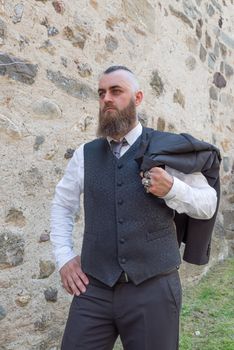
(147, 174)
(146, 182)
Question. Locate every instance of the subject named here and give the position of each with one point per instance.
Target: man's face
(117, 104)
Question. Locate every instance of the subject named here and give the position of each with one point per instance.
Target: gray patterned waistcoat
(126, 229)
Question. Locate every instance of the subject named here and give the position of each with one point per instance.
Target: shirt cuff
(175, 189)
(61, 262)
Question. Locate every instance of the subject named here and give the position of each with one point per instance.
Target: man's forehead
(117, 78)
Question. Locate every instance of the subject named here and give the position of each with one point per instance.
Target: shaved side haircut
(131, 75)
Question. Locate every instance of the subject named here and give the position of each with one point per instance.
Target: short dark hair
(112, 69)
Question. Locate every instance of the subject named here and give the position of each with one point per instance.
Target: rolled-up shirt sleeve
(65, 205)
(191, 194)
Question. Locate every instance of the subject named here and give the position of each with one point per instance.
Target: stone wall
(51, 54)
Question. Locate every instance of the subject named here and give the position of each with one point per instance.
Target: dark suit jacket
(187, 154)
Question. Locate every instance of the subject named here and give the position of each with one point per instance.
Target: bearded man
(126, 281)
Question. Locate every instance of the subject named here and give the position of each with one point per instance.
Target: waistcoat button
(122, 240)
(119, 183)
(120, 201)
(120, 166)
(121, 221)
(123, 260)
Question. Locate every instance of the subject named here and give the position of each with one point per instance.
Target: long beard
(115, 122)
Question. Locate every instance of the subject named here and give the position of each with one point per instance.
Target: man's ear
(138, 97)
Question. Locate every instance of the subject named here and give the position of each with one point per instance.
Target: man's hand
(160, 182)
(73, 278)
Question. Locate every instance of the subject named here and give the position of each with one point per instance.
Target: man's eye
(116, 92)
(101, 94)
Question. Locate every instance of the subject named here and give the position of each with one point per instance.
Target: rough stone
(226, 164)
(156, 83)
(198, 31)
(84, 69)
(71, 86)
(49, 47)
(39, 140)
(219, 80)
(77, 40)
(10, 128)
(213, 93)
(11, 249)
(178, 97)
(64, 61)
(5, 282)
(220, 22)
(226, 145)
(51, 294)
(3, 31)
(231, 199)
(17, 69)
(223, 50)
(190, 10)
(69, 153)
(192, 44)
(211, 60)
(47, 267)
(3, 312)
(216, 49)
(22, 299)
(161, 124)
(44, 237)
(141, 12)
(31, 179)
(52, 31)
(228, 70)
(19, 10)
(190, 63)
(15, 217)
(41, 324)
(181, 16)
(208, 41)
(46, 109)
(210, 10)
(171, 127)
(68, 32)
(59, 7)
(228, 219)
(111, 43)
(202, 53)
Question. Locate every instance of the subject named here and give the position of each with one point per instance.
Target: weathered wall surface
(51, 54)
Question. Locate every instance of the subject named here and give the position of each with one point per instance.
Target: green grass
(207, 316)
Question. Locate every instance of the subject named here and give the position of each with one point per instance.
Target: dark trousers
(145, 316)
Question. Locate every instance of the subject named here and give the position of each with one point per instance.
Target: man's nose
(108, 97)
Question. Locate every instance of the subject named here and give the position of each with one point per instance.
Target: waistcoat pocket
(160, 233)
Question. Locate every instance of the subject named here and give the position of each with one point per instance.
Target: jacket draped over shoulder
(187, 154)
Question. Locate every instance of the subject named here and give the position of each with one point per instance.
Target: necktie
(116, 146)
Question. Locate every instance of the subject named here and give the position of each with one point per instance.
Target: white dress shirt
(190, 194)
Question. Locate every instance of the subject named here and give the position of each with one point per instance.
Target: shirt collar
(131, 136)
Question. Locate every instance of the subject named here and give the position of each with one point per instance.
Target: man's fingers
(66, 286)
(83, 277)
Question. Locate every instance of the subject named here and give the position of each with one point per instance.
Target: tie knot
(116, 146)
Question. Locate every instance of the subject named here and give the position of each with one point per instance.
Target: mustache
(107, 107)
